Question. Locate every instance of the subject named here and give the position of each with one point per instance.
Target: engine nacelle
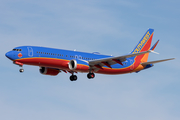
(48, 71)
(78, 65)
(72, 64)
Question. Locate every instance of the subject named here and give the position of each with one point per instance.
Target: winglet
(154, 46)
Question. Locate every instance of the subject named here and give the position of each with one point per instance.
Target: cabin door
(30, 51)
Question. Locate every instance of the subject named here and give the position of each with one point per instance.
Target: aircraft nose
(8, 55)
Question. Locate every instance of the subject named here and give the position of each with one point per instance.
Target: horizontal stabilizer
(152, 62)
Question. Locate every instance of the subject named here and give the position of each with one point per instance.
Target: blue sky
(109, 27)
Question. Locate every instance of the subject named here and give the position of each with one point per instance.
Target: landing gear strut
(73, 77)
(90, 75)
(20, 65)
(21, 70)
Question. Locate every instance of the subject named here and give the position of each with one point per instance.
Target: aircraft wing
(152, 62)
(99, 63)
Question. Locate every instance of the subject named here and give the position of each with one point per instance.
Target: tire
(73, 78)
(90, 75)
(21, 70)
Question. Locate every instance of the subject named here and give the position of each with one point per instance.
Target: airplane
(53, 61)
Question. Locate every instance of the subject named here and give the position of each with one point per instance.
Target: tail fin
(144, 45)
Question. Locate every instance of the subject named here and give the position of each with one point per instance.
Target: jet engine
(78, 65)
(48, 71)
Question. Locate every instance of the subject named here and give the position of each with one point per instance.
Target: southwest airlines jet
(52, 61)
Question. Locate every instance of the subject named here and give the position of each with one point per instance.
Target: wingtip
(154, 46)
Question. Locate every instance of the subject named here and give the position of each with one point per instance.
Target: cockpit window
(17, 49)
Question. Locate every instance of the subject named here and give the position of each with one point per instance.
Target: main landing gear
(73, 77)
(90, 75)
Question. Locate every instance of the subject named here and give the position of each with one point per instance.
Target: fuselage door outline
(30, 51)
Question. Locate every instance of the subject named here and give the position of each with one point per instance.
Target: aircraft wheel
(90, 75)
(21, 70)
(73, 77)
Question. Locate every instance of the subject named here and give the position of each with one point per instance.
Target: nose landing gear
(21, 70)
(20, 65)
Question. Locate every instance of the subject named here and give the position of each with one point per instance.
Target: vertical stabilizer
(144, 45)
